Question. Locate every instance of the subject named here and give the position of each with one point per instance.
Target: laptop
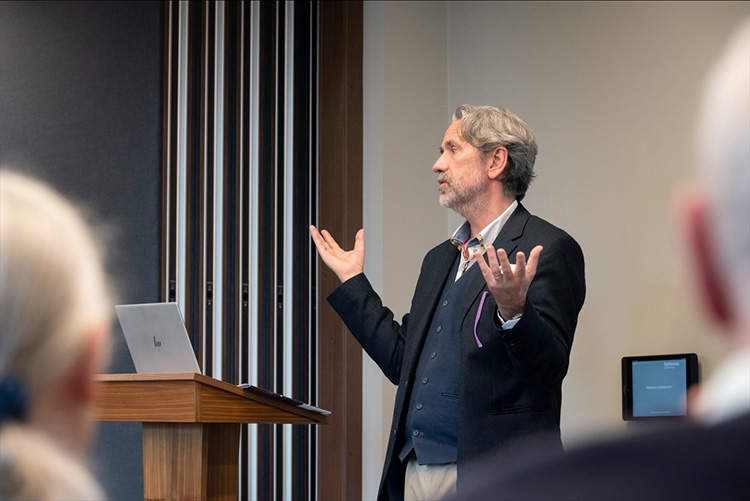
(157, 338)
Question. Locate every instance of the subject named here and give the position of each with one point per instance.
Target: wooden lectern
(191, 428)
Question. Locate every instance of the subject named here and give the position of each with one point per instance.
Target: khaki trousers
(428, 482)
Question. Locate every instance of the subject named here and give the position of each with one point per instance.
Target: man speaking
(480, 358)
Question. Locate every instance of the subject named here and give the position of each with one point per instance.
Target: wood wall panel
(340, 206)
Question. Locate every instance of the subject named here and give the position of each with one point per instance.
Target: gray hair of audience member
(489, 127)
(54, 310)
(53, 289)
(723, 144)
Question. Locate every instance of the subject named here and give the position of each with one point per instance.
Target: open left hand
(345, 264)
(509, 286)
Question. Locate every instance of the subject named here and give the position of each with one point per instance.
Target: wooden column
(340, 206)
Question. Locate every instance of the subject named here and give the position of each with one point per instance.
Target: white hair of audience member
(54, 336)
(723, 143)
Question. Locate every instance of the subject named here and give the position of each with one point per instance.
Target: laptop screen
(156, 337)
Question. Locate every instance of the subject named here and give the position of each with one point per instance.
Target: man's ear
(499, 160)
(694, 211)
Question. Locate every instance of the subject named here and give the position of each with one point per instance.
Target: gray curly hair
(489, 127)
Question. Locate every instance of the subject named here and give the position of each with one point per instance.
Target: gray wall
(610, 89)
(80, 107)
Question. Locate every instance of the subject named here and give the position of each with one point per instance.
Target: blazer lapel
(512, 230)
(506, 239)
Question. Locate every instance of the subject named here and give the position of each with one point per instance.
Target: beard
(461, 196)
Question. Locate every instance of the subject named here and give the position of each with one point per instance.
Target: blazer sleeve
(542, 338)
(372, 324)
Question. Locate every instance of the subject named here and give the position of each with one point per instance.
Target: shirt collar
(487, 236)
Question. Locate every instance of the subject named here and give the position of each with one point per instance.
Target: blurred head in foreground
(54, 336)
(718, 209)
(716, 213)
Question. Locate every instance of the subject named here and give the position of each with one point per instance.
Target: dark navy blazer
(510, 389)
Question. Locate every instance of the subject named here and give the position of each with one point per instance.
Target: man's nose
(439, 165)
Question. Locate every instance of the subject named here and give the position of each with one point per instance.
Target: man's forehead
(453, 134)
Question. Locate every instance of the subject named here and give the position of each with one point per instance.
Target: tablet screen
(656, 386)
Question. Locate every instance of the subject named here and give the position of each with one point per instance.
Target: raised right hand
(345, 264)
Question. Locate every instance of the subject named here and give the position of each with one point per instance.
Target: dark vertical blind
(304, 280)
